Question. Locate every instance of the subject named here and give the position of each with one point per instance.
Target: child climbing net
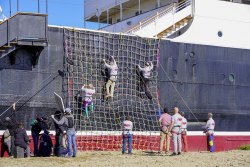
(87, 51)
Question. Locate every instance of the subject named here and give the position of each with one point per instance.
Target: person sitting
(21, 141)
(64, 147)
(113, 71)
(46, 145)
(145, 77)
(87, 100)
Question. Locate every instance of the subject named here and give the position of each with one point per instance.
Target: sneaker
(174, 154)
(107, 96)
(179, 153)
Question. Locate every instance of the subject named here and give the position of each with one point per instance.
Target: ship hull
(196, 78)
(197, 142)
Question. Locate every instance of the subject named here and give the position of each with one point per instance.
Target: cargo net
(101, 130)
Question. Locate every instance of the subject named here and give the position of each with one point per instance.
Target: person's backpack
(70, 122)
(6, 136)
(6, 133)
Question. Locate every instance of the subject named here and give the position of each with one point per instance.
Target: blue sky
(61, 12)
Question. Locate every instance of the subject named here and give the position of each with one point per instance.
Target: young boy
(127, 134)
(21, 141)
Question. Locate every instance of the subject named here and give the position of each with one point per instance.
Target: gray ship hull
(206, 78)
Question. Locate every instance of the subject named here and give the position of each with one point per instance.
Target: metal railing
(17, 12)
(173, 8)
(17, 7)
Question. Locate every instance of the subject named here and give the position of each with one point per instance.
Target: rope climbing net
(101, 129)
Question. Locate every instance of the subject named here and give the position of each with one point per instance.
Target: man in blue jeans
(68, 120)
(127, 134)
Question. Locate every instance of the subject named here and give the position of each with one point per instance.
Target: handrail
(175, 8)
(8, 23)
(145, 19)
(155, 9)
(149, 18)
(23, 13)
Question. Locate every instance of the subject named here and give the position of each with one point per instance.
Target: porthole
(191, 54)
(220, 33)
(231, 77)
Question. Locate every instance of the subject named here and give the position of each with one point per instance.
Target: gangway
(165, 22)
(17, 33)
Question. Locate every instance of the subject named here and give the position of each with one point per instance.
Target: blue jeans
(35, 137)
(210, 143)
(71, 136)
(127, 137)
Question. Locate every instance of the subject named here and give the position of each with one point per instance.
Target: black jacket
(21, 138)
(11, 125)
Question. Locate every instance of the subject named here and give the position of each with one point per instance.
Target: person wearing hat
(68, 121)
(145, 74)
(113, 71)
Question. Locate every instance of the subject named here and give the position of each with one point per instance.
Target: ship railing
(173, 8)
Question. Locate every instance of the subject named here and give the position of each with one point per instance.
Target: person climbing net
(112, 75)
(86, 93)
(145, 75)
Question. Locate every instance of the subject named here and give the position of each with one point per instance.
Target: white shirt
(87, 93)
(127, 127)
(177, 120)
(146, 70)
(184, 124)
(113, 70)
(210, 124)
